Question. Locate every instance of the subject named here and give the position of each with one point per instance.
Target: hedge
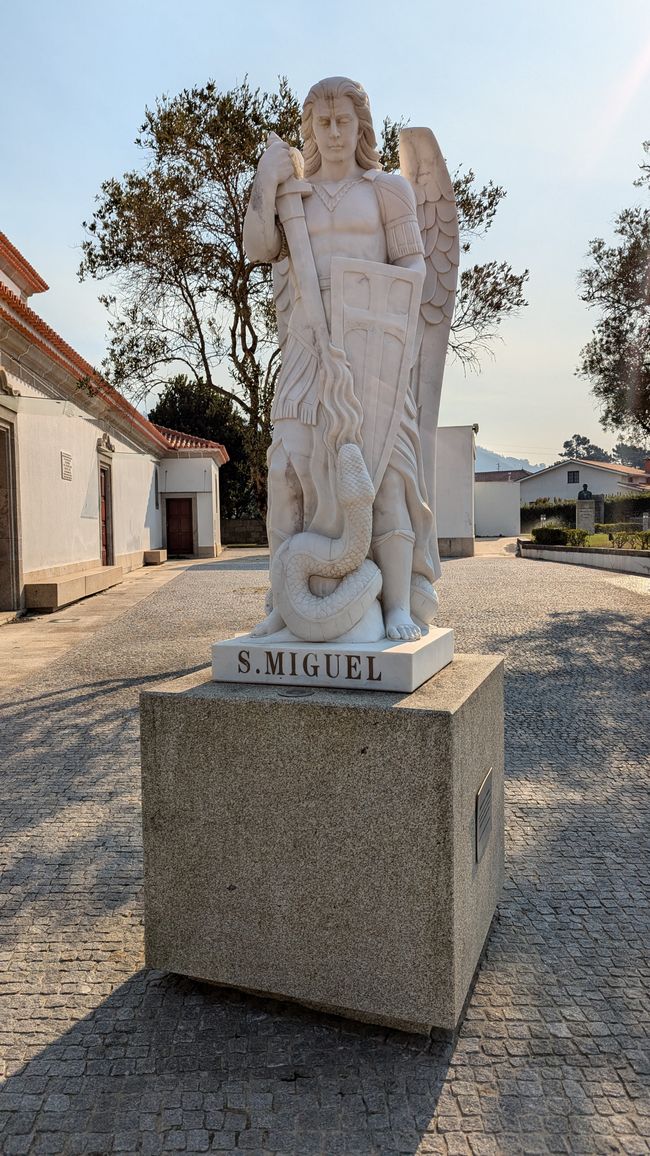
(630, 537)
(550, 535)
(617, 508)
(561, 511)
(626, 535)
(620, 507)
(577, 537)
(618, 527)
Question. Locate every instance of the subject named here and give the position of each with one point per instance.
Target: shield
(375, 311)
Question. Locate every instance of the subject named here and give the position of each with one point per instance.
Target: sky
(549, 98)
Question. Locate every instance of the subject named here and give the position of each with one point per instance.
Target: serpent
(308, 554)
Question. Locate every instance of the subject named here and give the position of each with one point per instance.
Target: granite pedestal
(327, 846)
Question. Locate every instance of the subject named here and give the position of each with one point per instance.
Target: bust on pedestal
(586, 514)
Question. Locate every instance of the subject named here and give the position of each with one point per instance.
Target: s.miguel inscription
(383, 665)
(339, 668)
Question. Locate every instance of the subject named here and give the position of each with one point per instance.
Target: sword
(343, 412)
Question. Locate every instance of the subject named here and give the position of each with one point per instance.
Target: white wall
(137, 523)
(455, 482)
(59, 518)
(553, 483)
(185, 475)
(497, 509)
(199, 476)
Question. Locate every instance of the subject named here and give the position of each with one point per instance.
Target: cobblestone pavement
(103, 1056)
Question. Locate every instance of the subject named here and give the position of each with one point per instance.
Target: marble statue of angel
(365, 272)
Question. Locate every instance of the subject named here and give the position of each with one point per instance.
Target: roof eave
(218, 455)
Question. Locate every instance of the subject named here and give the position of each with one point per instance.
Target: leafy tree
(629, 455)
(193, 407)
(169, 238)
(617, 283)
(580, 447)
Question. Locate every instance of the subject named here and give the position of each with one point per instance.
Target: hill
(489, 460)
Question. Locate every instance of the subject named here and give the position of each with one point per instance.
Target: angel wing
(423, 165)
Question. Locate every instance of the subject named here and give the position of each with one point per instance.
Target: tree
(628, 455)
(171, 239)
(617, 283)
(169, 236)
(193, 407)
(580, 447)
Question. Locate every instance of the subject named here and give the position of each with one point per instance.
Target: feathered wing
(423, 165)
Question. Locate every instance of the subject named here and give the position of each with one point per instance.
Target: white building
(497, 506)
(566, 479)
(87, 484)
(454, 498)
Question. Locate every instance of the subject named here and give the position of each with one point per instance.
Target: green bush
(617, 527)
(577, 537)
(626, 539)
(625, 535)
(550, 535)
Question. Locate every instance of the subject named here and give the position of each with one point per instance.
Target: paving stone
(99, 1055)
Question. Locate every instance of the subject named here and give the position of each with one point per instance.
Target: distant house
(501, 475)
(87, 484)
(566, 479)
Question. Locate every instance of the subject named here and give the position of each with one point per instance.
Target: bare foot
(400, 626)
(269, 625)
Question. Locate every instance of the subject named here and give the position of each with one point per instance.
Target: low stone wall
(243, 532)
(61, 591)
(252, 532)
(623, 561)
(456, 547)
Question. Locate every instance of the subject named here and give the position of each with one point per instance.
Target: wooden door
(105, 515)
(9, 596)
(180, 538)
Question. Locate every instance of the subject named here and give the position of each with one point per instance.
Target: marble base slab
(282, 659)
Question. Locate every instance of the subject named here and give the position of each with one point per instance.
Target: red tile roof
(17, 264)
(627, 471)
(183, 441)
(632, 470)
(25, 321)
(501, 475)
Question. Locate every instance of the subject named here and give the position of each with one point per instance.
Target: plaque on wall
(483, 815)
(66, 466)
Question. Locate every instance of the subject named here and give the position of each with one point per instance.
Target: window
(573, 477)
(156, 487)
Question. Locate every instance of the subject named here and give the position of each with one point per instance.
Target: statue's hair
(367, 156)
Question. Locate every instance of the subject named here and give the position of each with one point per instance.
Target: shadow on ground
(246, 562)
(70, 799)
(169, 1063)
